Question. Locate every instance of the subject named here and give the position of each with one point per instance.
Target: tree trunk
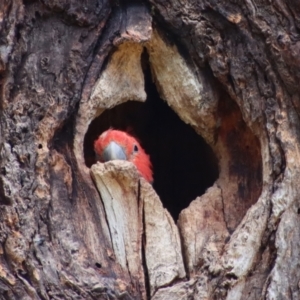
(221, 220)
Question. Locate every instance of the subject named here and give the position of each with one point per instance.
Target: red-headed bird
(115, 144)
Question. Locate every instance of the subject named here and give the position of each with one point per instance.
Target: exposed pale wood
(164, 261)
(182, 88)
(183, 291)
(203, 232)
(118, 184)
(138, 223)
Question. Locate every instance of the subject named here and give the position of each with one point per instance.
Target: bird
(115, 144)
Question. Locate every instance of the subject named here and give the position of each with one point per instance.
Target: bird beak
(113, 151)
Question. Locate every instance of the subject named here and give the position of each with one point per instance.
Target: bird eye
(135, 148)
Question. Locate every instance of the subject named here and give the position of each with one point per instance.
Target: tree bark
(74, 228)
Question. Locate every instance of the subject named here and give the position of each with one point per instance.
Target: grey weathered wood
(135, 216)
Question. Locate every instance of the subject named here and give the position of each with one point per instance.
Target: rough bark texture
(229, 69)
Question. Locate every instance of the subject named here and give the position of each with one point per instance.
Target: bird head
(115, 144)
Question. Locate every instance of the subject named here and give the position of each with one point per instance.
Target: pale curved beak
(113, 151)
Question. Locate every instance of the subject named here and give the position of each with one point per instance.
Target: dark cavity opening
(184, 166)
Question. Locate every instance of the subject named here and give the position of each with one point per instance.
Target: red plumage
(131, 150)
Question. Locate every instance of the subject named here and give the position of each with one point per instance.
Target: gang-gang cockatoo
(115, 144)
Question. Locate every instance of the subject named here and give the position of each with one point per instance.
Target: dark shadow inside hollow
(184, 166)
